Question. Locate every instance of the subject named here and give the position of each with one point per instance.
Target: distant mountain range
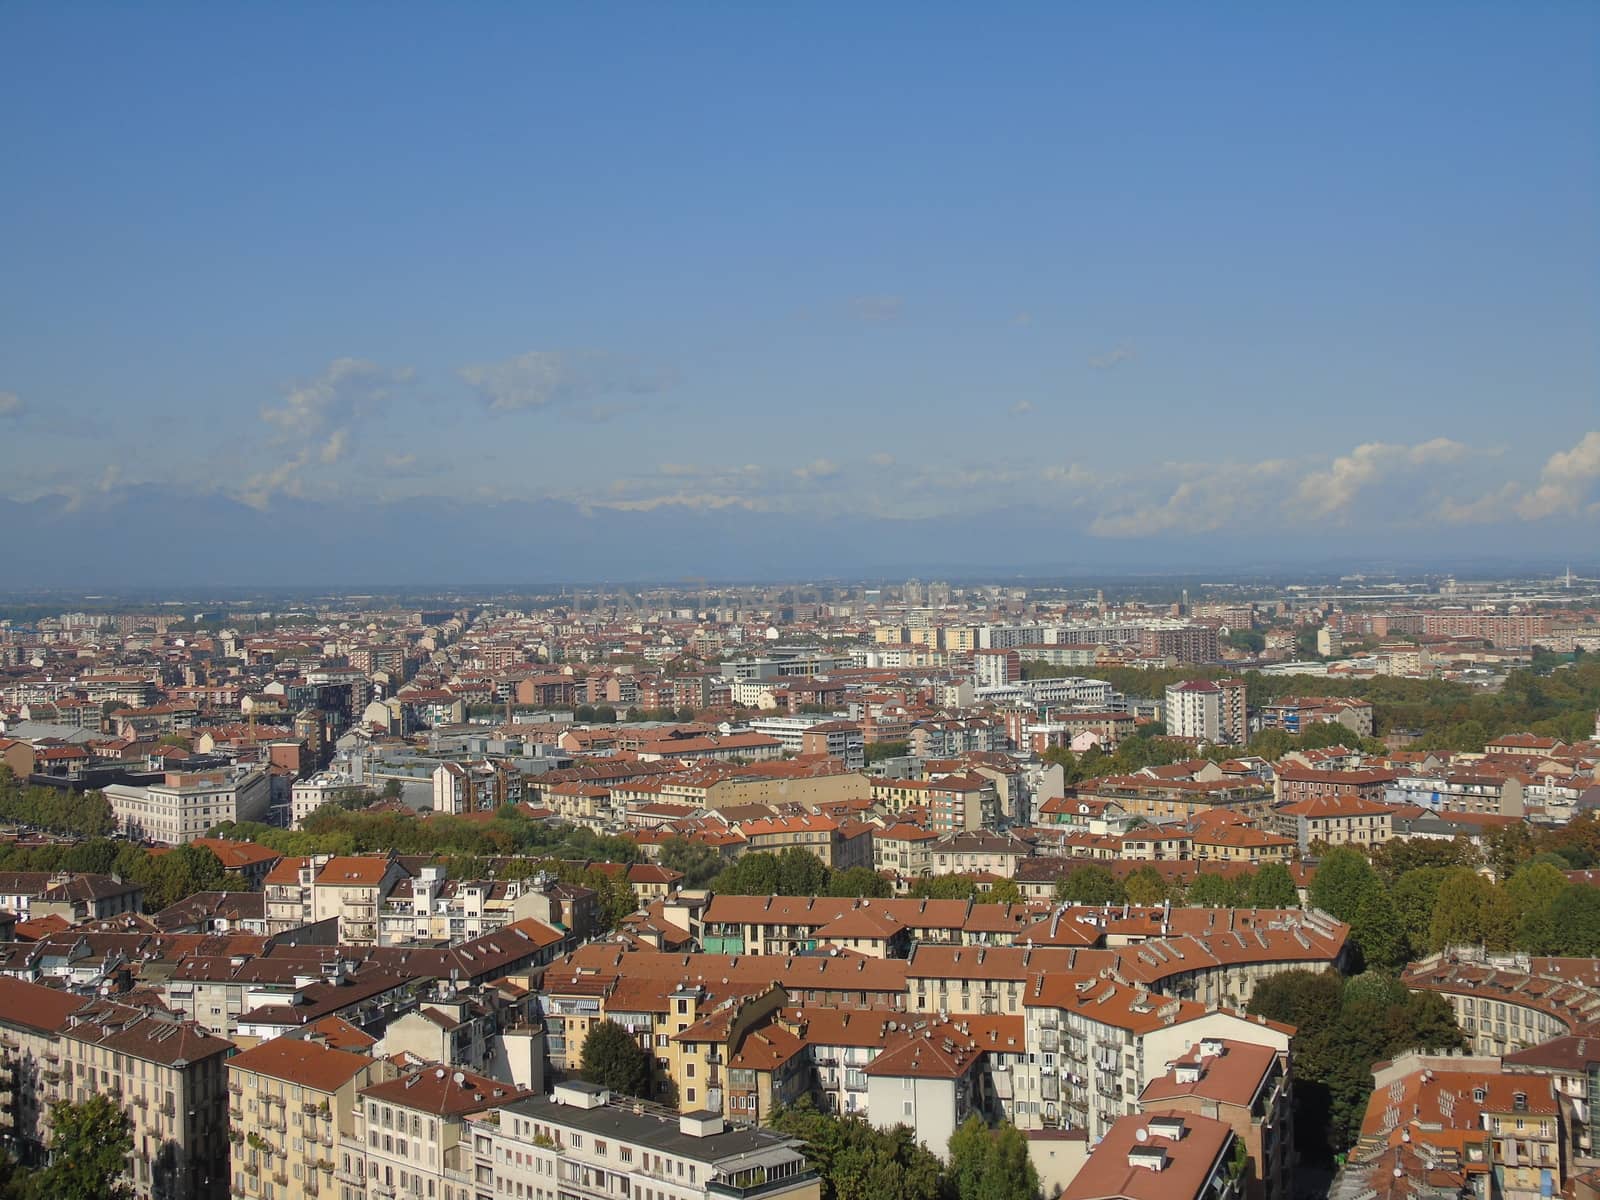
(158, 537)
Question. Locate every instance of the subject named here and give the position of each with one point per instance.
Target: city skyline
(1090, 286)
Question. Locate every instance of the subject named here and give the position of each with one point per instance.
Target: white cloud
(1331, 491)
(1115, 357)
(820, 468)
(283, 479)
(693, 500)
(543, 379)
(333, 449)
(877, 310)
(1020, 408)
(344, 389)
(1566, 483)
(11, 404)
(399, 462)
(881, 459)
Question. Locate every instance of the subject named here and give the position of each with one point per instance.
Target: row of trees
(167, 876)
(1416, 897)
(333, 830)
(1343, 1026)
(795, 872)
(84, 814)
(1150, 747)
(1268, 886)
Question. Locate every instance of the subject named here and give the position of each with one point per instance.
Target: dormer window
(1478, 1095)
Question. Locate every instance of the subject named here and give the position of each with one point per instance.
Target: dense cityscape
(893, 601)
(1202, 890)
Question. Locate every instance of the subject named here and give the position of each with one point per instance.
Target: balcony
(236, 1088)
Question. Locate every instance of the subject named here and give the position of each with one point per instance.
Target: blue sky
(1162, 270)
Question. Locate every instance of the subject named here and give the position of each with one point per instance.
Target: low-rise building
(584, 1144)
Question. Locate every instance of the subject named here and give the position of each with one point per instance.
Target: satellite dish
(1142, 1134)
(458, 1077)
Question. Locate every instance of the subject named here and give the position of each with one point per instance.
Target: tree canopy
(857, 1161)
(612, 1059)
(1342, 1028)
(990, 1164)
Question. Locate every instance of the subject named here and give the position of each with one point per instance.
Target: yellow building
(290, 1101)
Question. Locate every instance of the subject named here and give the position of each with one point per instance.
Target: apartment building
(1504, 1130)
(978, 851)
(287, 887)
(410, 1136)
(1337, 819)
(1160, 1156)
(186, 806)
(581, 1143)
(71, 896)
(291, 1101)
(840, 845)
(1094, 1044)
(1293, 714)
(904, 850)
(1247, 1086)
(32, 1018)
(1207, 711)
(349, 889)
(1505, 1004)
(170, 1078)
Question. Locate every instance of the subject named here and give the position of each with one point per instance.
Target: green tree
(1377, 986)
(1061, 756)
(859, 881)
(1273, 887)
(1212, 889)
(89, 1148)
(878, 751)
(1003, 891)
(754, 874)
(945, 887)
(1377, 930)
(856, 1161)
(1576, 916)
(1271, 744)
(1145, 886)
(1091, 885)
(1414, 896)
(1534, 889)
(698, 862)
(990, 1164)
(1395, 859)
(801, 873)
(612, 1059)
(178, 874)
(1458, 913)
(1308, 1000)
(1344, 878)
